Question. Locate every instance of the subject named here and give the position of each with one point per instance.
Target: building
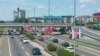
(84, 19)
(96, 17)
(19, 15)
(22, 16)
(16, 17)
(68, 19)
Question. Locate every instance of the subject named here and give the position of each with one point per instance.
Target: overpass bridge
(33, 24)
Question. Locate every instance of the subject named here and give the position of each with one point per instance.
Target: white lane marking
(22, 47)
(19, 43)
(27, 54)
(9, 46)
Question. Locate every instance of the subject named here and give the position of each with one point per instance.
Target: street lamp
(49, 18)
(74, 25)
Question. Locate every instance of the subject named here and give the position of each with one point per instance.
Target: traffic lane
(27, 46)
(91, 34)
(91, 30)
(4, 48)
(78, 50)
(16, 48)
(84, 52)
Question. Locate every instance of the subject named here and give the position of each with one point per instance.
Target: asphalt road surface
(80, 51)
(14, 46)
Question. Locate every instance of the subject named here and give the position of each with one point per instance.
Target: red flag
(51, 29)
(46, 30)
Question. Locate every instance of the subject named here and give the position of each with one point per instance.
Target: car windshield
(25, 38)
(36, 49)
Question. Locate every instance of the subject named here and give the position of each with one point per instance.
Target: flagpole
(74, 26)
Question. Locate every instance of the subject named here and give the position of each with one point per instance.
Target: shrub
(30, 36)
(62, 52)
(51, 47)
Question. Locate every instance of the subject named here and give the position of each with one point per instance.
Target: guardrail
(34, 24)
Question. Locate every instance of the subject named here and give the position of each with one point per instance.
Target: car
(36, 51)
(11, 36)
(22, 37)
(65, 44)
(40, 38)
(55, 40)
(25, 40)
(70, 49)
(9, 33)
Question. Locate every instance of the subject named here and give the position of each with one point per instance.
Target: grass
(30, 36)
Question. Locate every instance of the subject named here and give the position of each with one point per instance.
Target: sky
(57, 7)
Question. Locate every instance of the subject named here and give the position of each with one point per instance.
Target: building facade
(19, 15)
(84, 19)
(96, 17)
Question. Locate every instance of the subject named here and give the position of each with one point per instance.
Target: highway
(90, 32)
(83, 51)
(14, 46)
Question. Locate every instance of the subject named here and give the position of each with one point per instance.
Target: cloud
(84, 3)
(42, 7)
(87, 1)
(83, 6)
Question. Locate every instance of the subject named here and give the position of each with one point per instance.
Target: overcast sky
(58, 7)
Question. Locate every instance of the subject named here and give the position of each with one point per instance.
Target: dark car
(40, 38)
(22, 38)
(9, 33)
(55, 40)
(36, 51)
(65, 44)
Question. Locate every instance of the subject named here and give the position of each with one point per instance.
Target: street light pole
(49, 18)
(74, 25)
(35, 18)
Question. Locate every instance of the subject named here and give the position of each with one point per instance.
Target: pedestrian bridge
(33, 24)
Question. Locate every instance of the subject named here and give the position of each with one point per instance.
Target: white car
(70, 49)
(25, 40)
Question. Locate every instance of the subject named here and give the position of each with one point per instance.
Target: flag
(78, 33)
(74, 34)
(46, 30)
(51, 29)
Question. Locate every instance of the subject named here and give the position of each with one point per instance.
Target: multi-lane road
(14, 46)
(81, 50)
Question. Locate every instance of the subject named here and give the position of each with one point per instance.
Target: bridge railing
(34, 24)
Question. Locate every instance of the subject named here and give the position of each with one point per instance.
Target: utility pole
(74, 26)
(49, 18)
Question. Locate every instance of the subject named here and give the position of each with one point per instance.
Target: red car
(40, 38)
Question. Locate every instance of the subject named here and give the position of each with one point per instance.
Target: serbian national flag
(51, 29)
(70, 34)
(78, 33)
(74, 34)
